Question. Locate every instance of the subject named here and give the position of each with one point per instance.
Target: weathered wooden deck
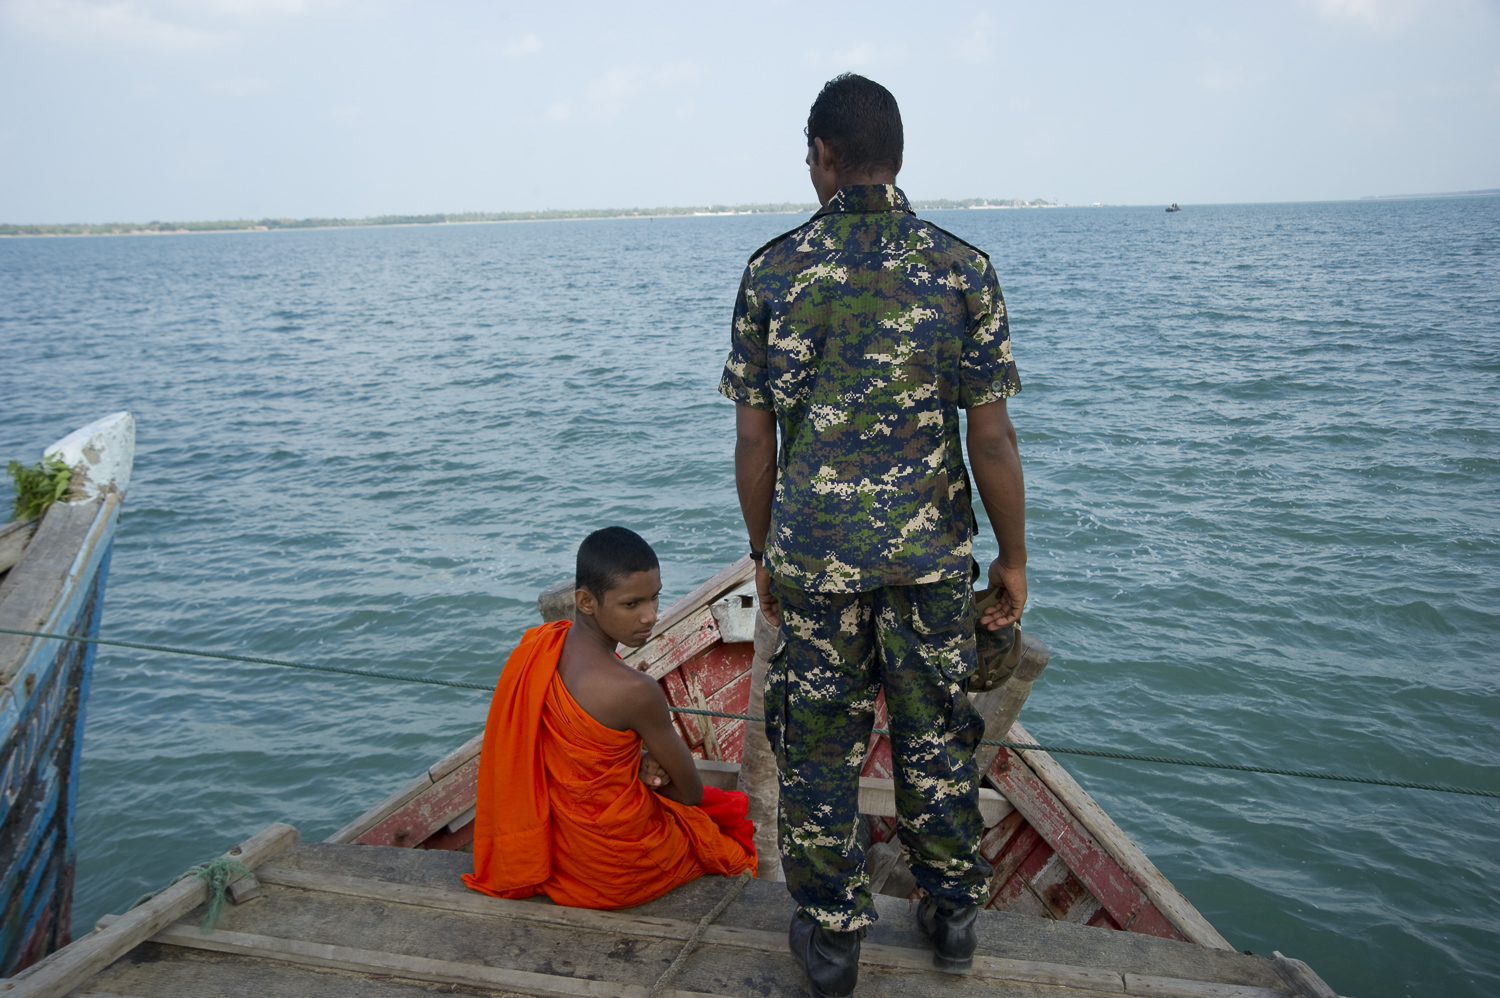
(348, 920)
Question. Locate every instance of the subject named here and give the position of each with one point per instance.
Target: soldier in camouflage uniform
(860, 335)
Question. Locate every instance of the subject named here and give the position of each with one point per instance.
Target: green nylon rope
(1200, 763)
(1441, 788)
(368, 673)
(216, 873)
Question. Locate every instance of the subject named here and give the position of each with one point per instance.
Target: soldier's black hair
(859, 120)
(607, 556)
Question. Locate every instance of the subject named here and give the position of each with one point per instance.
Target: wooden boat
(1173, 207)
(1076, 909)
(1056, 854)
(52, 574)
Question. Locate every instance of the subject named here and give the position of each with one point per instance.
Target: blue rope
(406, 677)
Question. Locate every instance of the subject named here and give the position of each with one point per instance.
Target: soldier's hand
(1012, 585)
(769, 605)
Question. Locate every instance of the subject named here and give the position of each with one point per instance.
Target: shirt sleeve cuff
(1000, 388)
(739, 391)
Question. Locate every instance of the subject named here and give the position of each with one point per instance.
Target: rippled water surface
(1263, 469)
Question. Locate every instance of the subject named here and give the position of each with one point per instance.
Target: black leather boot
(830, 958)
(952, 933)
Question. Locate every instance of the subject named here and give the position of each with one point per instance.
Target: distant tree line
(242, 225)
(943, 203)
(1487, 192)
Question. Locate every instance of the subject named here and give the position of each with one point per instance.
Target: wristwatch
(756, 556)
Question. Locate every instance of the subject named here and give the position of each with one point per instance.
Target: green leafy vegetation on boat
(39, 486)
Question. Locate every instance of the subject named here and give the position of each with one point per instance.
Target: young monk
(564, 806)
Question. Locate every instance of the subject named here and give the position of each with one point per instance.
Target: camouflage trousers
(841, 648)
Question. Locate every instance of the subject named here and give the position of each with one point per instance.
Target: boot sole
(952, 965)
(946, 964)
(812, 988)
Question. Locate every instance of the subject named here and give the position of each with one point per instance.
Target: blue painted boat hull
(41, 730)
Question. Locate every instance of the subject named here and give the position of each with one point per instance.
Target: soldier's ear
(823, 153)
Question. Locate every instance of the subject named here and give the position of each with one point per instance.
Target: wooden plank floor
(339, 920)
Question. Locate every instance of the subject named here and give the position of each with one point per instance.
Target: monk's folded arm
(651, 772)
(649, 718)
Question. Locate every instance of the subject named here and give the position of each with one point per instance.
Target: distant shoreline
(466, 218)
(1488, 192)
(582, 214)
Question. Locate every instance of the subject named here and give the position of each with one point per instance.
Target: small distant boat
(1173, 207)
(52, 573)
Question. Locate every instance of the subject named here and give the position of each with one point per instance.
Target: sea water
(1262, 451)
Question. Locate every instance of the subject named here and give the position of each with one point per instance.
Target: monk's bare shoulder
(612, 693)
(637, 692)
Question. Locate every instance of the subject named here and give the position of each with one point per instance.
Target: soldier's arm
(755, 479)
(746, 381)
(995, 457)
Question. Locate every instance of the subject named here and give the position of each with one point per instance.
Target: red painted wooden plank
(1101, 919)
(677, 695)
(732, 699)
(450, 841)
(998, 836)
(732, 744)
(719, 666)
(416, 820)
(881, 829)
(1014, 893)
(1023, 843)
(1032, 865)
(1066, 898)
(878, 754)
(878, 758)
(1081, 905)
(688, 638)
(1095, 867)
(675, 689)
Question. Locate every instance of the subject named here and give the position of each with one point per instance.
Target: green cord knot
(216, 874)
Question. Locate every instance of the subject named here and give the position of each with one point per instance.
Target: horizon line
(470, 217)
(577, 214)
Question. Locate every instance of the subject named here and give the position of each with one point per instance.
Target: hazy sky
(134, 110)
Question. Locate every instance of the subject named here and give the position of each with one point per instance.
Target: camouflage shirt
(865, 331)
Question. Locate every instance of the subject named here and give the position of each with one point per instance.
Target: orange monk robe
(562, 811)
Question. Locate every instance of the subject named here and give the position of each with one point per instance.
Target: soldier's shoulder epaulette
(789, 232)
(958, 239)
